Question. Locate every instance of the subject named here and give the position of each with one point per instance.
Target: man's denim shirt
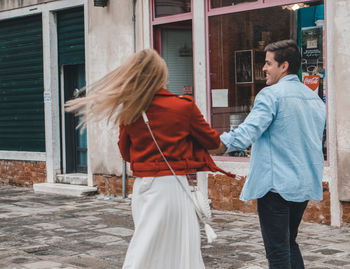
(285, 129)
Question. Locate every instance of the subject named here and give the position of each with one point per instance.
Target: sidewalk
(40, 231)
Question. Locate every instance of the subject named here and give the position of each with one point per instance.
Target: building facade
(214, 52)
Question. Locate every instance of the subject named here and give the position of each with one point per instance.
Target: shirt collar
(291, 77)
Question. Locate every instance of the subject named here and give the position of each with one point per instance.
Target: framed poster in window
(244, 66)
(312, 51)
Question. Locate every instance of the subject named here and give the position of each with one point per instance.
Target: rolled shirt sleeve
(256, 123)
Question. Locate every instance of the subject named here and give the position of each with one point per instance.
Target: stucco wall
(109, 43)
(342, 94)
(13, 4)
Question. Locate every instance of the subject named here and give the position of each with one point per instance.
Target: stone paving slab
(46, 231)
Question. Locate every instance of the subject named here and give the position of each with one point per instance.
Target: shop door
(75, 139)
(71, 59)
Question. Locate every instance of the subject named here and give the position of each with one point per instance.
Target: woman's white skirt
(167, 234)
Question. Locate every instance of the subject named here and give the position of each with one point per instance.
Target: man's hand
(221, 149)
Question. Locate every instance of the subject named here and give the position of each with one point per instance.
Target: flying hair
(121, 95)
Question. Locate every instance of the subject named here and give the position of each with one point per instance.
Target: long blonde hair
(124, 93)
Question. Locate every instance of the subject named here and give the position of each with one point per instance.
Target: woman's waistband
(161, 165)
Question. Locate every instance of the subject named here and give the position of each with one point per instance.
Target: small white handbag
(201, 204)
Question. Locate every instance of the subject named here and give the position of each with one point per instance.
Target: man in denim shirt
(285, 129)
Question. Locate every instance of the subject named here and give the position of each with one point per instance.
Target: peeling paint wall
(342, 94)
(109, 44)
(13, 4)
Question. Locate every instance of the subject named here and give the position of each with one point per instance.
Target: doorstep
(74, 179)
(64, 189)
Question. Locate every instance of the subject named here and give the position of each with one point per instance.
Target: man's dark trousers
(279, 222)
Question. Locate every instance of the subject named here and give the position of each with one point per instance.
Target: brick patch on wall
(346, 212)
(224, 193)
(110, 185)
(319, 211)
(22, 173)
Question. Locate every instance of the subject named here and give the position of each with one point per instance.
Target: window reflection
(236, 55)
(225, 3)
(172, 7)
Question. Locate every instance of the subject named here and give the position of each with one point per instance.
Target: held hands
(221, 149)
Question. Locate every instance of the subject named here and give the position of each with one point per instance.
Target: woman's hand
(220, 150)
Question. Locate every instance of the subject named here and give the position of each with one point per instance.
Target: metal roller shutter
(180, 67)
(21, 85)
(70, 28)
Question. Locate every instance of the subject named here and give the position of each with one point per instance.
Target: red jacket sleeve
(201, 130)
(124, 143)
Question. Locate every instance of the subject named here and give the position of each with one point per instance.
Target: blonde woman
(167, 231)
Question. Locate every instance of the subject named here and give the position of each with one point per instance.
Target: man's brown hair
(286, 51)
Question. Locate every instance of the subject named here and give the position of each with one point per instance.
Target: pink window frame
(250, 6)
(154, 21)
(259, 4)
(168, 19)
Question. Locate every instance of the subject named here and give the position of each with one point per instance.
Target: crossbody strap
(211, 235)
(145, 119)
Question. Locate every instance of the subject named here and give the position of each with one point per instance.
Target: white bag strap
(208, 230)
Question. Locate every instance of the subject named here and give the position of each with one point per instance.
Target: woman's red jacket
(181, 132)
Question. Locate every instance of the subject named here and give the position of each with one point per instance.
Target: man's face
(273, 72)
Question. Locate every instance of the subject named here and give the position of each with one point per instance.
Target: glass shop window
(236, 54)
(225, 3)
(178, 55)
(171, 7)
(174, 43)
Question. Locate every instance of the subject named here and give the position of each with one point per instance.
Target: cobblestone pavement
(41, 231)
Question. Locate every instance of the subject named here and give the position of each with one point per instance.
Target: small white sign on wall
(219, 97)
(47, 97)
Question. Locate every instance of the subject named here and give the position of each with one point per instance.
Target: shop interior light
(295, 7)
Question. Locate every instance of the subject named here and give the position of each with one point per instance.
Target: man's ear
(285, 66)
